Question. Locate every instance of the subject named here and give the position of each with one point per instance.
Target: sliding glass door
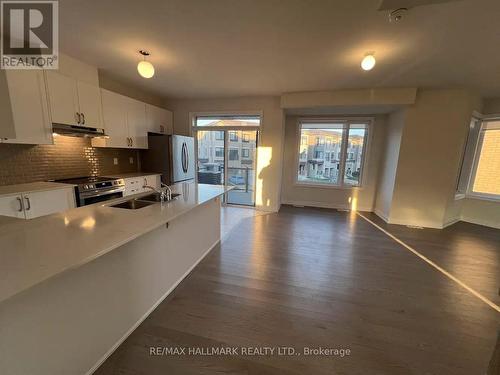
(241, 166)
(227, 154)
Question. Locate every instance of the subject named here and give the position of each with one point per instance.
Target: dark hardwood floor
(321, 278)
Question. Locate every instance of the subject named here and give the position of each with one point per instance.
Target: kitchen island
(74, 285)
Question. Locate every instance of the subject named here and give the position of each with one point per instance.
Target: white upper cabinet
(159, 120)
(73, 102)
(89, 99)
(136, 120)
(29, 110)
(114, 114)
(124, 122)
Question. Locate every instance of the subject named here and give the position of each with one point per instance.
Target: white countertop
(32, 251)
(32, 186)
(132, 174)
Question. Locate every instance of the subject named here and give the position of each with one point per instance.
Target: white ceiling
(221, 48)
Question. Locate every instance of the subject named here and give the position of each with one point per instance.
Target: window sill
(482, 197)
(459, 196)
(325, 186)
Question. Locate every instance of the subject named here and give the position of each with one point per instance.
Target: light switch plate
(115, 161)
(131, 160)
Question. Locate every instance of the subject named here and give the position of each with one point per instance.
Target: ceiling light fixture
(368, 62)
(145, 68)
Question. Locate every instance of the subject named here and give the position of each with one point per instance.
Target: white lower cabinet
(37, 203)
(12, 205)
(135, 185)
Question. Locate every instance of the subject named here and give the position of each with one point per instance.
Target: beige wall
(362, 198)
(491, 106)
(429, 158)
(389, 163)
(270, 153)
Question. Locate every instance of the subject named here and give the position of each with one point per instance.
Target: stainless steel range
(93, 189)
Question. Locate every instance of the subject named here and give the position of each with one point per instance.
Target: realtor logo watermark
(30, 35)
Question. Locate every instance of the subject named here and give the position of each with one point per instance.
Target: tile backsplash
(67, 157)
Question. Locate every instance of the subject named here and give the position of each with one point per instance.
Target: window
(245, 137)
(318, 154)
(219, 152)
(233, 154)
(227, 120)
(233, 136)
(245, 153)
(303, 140)
(485, 177)
(346, 138)
(219, 136)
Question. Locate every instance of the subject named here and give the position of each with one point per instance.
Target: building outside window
(345, 139)
(245, 137)
(219, 136)
(233, 136)
(234, 154)
(219, 152)
(245, 153)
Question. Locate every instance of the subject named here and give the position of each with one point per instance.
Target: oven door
(101, 196)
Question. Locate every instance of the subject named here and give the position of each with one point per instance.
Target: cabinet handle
(78, 118)
(162, 129)
(29, 204)
(83, 116)
(20, 204)
(131, 141)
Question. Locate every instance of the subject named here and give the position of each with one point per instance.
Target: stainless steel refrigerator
(171, 155)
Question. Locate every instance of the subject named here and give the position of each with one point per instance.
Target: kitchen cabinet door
(133, 185)
(7, 129)
(136, 121)
(29, 105)
(12, 205)
(114, 113)
(42, 203)
(159, 120)
(63, 98)
(89, 99)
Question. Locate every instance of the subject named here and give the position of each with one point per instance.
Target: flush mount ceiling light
(368, 62)
(145, 68)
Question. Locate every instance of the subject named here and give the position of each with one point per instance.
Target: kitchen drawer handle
(20, 204)
(83, 116)
(29, 203)
(78, 118)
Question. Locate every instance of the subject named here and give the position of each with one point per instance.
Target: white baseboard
(325, 205)
(484, 223)
(381, 215)
(142, 318)
(451, 222)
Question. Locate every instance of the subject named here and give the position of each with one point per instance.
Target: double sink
(147, 200)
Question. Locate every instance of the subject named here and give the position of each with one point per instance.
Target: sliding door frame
(226, 129)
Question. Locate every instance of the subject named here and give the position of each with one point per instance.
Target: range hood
(77, 131)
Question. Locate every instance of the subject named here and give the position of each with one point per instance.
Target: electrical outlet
(115, 161)
(131, 160)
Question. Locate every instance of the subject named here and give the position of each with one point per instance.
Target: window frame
(346, 122)
(473, 169)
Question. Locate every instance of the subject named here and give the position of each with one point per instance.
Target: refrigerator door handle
(184, 157)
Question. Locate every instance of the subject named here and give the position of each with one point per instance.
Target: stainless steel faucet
(164, 195)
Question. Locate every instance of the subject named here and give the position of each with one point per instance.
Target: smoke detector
(397, 14)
